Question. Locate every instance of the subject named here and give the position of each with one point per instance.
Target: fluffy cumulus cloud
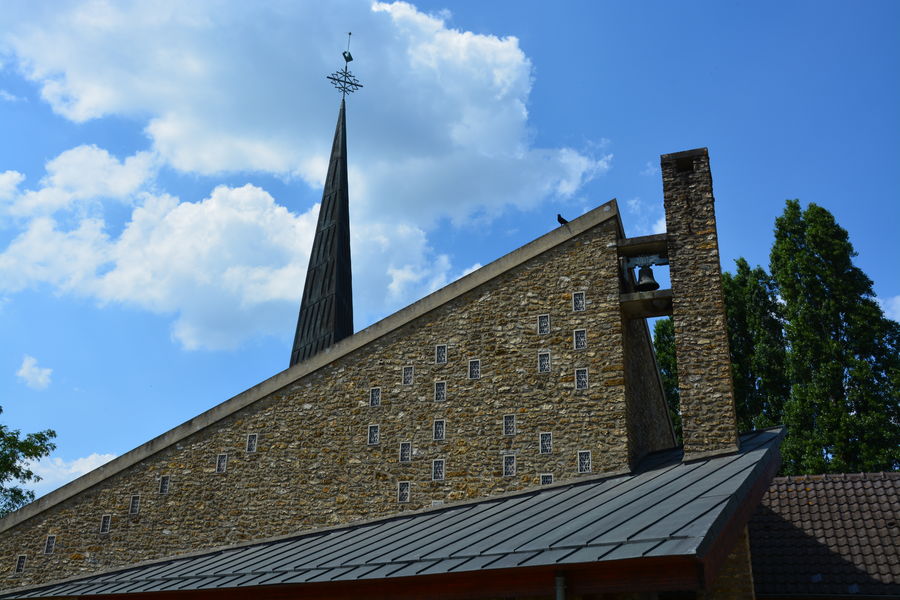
(228, 267)
(55, 471)
(35, 377)
(439, 134)
(83, 173)
(9, 183)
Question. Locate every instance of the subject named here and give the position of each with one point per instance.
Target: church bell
(645, 282)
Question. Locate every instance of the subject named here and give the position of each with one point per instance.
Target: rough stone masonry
(698, 306)
(316, 463)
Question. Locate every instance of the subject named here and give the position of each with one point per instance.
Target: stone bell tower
(698, 306)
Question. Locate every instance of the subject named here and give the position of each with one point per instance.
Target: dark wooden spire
(326, 310)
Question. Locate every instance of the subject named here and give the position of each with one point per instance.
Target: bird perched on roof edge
(562, 221)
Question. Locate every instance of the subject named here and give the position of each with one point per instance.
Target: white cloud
(650, 170)
(228, 268)
(55, 471)
(471, 269)
(85, 173)
(34, 376)
(43, 253)
(891, 307)
(440, 132)
(9, 184)
(659, 226)
(8, 97)
(643, 217)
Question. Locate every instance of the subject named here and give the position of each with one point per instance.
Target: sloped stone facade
(314, 464)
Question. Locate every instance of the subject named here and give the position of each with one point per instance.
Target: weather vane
(344, 79)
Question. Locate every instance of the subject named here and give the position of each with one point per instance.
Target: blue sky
(162, 163)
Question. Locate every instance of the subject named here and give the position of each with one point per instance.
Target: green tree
(664, 344)
(843, 413)
(15, 450)
(757, 344)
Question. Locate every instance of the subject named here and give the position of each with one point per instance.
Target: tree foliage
(757, 346)
(664, 344)
(810, 348)
(15, 451)
(843, 412)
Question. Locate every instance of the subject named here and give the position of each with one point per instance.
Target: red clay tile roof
(828, 536)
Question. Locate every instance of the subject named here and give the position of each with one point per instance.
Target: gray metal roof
(667, 508)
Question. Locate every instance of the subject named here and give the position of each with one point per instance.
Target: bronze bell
(645, 282)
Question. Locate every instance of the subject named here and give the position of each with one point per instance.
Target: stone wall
(735, 579)
(649, 428)
(698, 306)
(314, 465)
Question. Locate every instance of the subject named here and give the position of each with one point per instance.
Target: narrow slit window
(440, 430)
(50, 544)
(403, 491)
(543, 362)
(546, 442)
(440, 391)
(546, 478)
(584, 461)
(20, 563)
(579, 339)
(164, 484)
(475, 369)
(375, 396)
(509, 465)
(221, 463)
(437, 469)
(509, 424)
(543, 325)
(405, 451)
(134, 507)
(578, 301)
(252, 439)
(440, 354)
(374, 435)
(105, 522)
(407, 375)
(581, 379)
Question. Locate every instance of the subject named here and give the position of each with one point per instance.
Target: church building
(504, 437)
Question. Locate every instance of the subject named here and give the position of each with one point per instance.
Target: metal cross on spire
(344, 79)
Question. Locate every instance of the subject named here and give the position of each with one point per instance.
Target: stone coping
(436, 299)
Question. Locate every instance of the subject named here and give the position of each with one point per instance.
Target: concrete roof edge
(436, 299)
(685, 154)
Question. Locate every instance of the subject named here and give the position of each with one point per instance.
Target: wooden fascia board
(639, 574)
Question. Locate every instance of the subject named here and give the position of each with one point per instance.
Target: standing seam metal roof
(667, 508)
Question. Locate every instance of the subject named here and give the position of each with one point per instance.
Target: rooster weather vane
(344, 79)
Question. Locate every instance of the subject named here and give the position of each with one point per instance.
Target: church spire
(326, 308)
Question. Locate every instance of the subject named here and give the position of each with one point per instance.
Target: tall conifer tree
(757, 346)
(843, 413)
